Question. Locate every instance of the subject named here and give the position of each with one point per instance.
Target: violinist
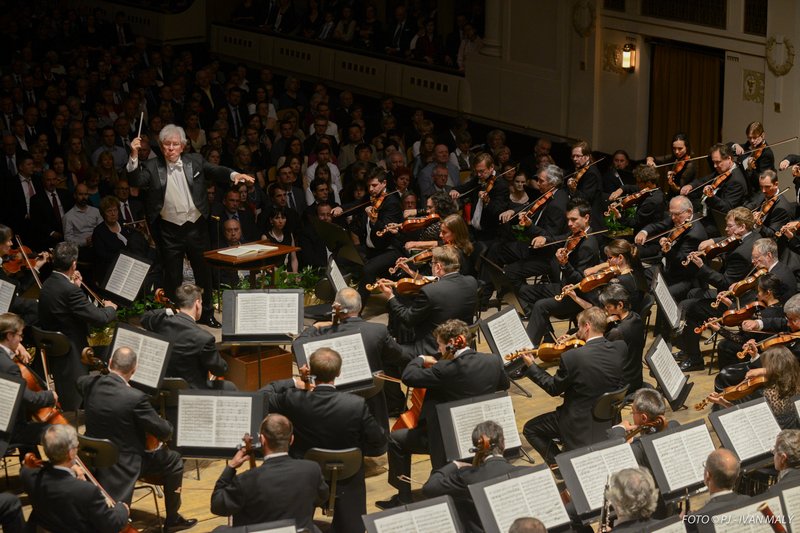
(25, 307)
(324, 417)
(379, 253)
(679, 279)
(544, 221)
(625, 325)
(62, 498)
(584, 374)
(760, 157)
(452, 296)
(620, 256)
(772, 210)
(566, 266)
(437, 204)
(723, 190)
(736, 266)
(25, 431)
(476, 194)
(649, 209)
(123, 414)
(517, 198)
(782, 371)
(586, 182)
(649, 409)
(460, 372)
(793, 161)
(619, 175)
(681, 172)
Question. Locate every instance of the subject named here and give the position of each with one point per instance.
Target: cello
(48, 415)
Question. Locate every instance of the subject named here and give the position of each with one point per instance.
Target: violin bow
(573, 237)
(593, 163)
(766, 145)
(526, 207)
(687, 223)
(515, 167)
(679, 160)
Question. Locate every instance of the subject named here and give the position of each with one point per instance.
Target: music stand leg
(527, 456)
(521, 388)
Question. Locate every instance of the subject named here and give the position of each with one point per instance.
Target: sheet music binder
(757, 460)
(673, 319)
(485, 325)
(144, 333)
(16, 402)
(720, 524)
(301, 358)
(369, 519)
(111, 271)
(447, 426)
(678, 400)
(12, 289)
(256, 416)
(648, 443)
(482, 505)
(790, 503)
(229, 316)
(579, 499)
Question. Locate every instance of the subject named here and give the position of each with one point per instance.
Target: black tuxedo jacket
(732, 193)
(551, 220)
(247, 221)
(64, 307)
(63, 503)
(649, 211)
(631, 331)
(151, 175)
(583, 375)
(737, 264)
(712, 506)
(15, 213)
(674, 271)
(590, 188)
(453, 481)
(194, 350)
(137, 210)
(781, 213)
(44, 220)
(30, 401)
(280, 488)
(453, 296)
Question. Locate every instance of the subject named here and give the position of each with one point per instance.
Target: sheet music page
(791, 501)
(8, 394)
(151, 353)
(6, 294)
(233, 415)
(747, 519)
(761, 417)
(465, 418)
(355, 365)
(668, 305)
(539, 498)
(251, 312)
(196, 421)
(668, 370)
(593, 469)
(434, 518)
(682, 455)
(396, 523)
(501, 410)
(127, 277)
(282, 312)
(336, 278)
(752, 430)
(508, 333)
(506, 504)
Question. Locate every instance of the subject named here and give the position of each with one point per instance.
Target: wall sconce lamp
(629, 57)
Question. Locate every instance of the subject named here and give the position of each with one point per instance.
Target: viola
(777, 340)
(731, 317)
(418, 259)
(161, 298)
(711, 189)
(680, 164)
(737, 392)
(547, 351)
(740, 287)
(628, 201)
(409, 224)
(404, 286)
(591, 282)
(725, 245)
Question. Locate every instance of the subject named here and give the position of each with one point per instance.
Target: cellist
(459, 373)
(63, 500)
(24, 431)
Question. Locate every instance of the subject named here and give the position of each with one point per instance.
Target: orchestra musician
(24, 431)
(439, 204)
(62, 499)
(780, 211)
(194, 350)
(793, 161)
(648, 210)
(326, 418)
(123, 414)
(25, 307)
(587, 182)
(566, 267)
(64, 307)
(648, 409)
(256, 496)
(475, 194)
(786, 460)
(720, 475)
(177, 207)
(683, 171)
(760, 159)
(625, 325)
(584, 374)
(11, 518)
(634, 496)
(455, 477)
(736, 266)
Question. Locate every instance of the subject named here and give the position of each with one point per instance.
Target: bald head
(722, 470)
(349, 301)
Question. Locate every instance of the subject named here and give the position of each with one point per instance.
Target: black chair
(102, 453)
(336, 465)
(608, 406)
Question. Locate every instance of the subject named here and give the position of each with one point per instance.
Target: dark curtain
(685, 96)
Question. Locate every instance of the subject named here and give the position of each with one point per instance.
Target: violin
(573, 242)
(711, 189)
(788, 227)
(732, 317)
(531, 209)
(249, 449)
(31, 461)
(761, 213)
(776, 340)
(674, 235)
(404, 286)
(740, 287)
(736, 392)
(756, 154)
(656, 425)
(628, 201)
(409, 224)
(418, 259)
(591, 282)
(547, 351)
(376, 206)
(725, 245)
